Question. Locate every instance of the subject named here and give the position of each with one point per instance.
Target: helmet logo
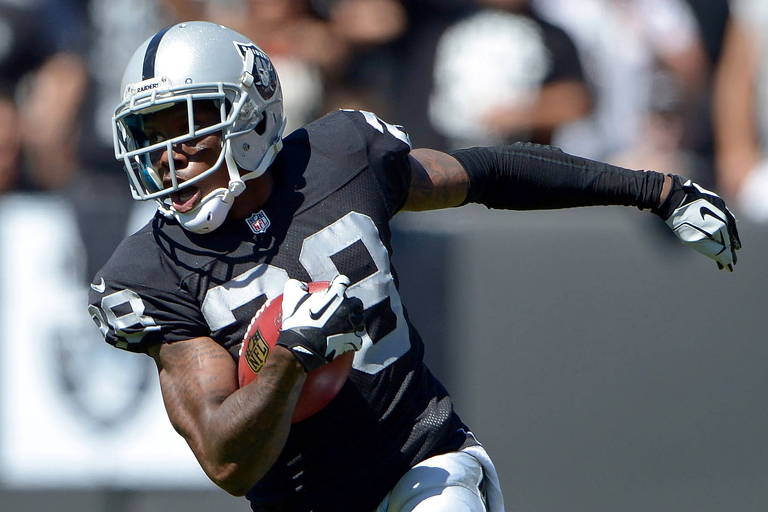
(264, 74)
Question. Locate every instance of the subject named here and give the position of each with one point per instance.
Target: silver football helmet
(184, 64)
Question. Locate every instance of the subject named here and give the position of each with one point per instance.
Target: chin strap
(236, 184)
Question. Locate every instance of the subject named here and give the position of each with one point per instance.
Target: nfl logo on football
(258, 222)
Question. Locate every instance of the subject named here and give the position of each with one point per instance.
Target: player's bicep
(196, 376)
(437, 181)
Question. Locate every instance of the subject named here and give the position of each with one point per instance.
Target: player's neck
(256, 193)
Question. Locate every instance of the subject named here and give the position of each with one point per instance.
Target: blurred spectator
(661, 134)
(412, 82)
(741, 110)
(77, 126)
(623, 43)
(501, 73)
(10, 143)
(711, 17)
(368, 30)
(49, 120)
(367, 22)
(30, 98)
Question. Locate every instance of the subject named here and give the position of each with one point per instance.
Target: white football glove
(701, 220)
(318, 327)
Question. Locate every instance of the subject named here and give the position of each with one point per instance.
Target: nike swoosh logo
(99, 288)
(315, 315)
(704, 211)
(708, 235)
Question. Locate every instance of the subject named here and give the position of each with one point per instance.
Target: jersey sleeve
(387, 148)
(135, 304)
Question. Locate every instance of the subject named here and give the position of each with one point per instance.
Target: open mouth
(185, 199)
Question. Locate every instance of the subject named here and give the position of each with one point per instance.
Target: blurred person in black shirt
(33, 98)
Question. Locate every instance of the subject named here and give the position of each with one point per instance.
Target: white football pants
(463, 481)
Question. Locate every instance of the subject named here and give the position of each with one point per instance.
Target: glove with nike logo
(318, 327)
(701, 220)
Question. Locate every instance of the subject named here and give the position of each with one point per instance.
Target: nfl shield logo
(258, 222)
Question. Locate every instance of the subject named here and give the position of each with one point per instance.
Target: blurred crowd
(675, 85)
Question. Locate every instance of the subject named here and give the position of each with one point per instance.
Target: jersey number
(390, 340)
(382, 346)
(123, 311)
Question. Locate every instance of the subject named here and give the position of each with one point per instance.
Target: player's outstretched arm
(525, 176)
(235, 433)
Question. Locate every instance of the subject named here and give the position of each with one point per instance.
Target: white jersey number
(132, 325)
(315, 257)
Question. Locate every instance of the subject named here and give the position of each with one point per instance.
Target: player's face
(190, 158)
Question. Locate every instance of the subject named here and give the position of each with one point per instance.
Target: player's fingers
(338, 286)
(725, 259)
(293, 292)
(319, 302)
(726, 253)
(733, 230)
(735, 240)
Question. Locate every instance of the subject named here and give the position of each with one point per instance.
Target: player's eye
(146, 138)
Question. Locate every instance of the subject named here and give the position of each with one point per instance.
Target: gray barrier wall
(604, 367)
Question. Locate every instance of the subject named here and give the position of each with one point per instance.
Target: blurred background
(605, 367)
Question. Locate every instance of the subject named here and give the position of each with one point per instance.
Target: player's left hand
(701, 220)
(318, 327)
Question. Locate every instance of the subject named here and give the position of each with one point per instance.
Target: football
(321, 385)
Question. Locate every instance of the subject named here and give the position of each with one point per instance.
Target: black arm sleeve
(526, 176)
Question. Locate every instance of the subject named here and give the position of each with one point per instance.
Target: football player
(246, 214)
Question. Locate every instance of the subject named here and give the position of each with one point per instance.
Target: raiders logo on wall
(101, 386)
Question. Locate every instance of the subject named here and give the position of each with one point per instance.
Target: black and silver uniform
(338, 182)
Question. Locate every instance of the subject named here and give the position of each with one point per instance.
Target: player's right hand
(701, 220)
(318, 327)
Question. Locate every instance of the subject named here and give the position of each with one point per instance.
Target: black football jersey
(338, 182)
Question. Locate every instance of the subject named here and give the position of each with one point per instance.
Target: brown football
(321, 385)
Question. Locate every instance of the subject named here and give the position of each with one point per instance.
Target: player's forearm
(525, 176)
(236, 434)
(246, 433)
